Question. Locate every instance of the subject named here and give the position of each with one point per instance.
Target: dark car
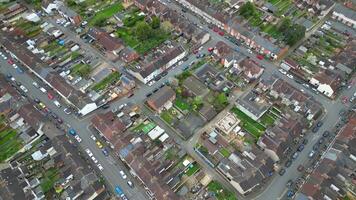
(316, 147)
(155, 90)
(105, 152)
(54, 116)
(315, 129)
(305, 141)
(105, 106)
(288, 163)
(59, 120)
(158, 77)
(282, 172)
(289, 183)
(164, 73)
(301, 147)
(36, 100)
(326, 133)
(148, 95)
(130, 95)
(319, 124)
(185, 58)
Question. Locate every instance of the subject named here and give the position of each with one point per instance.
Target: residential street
(275, 190)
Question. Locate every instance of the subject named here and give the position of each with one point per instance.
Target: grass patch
(250, 125)
(9, 143)
(81, 69)
(220, 192)
(193, 168)
(49, 179)
(167, 117)
(226, 153)
(182, 105)
(107, 81)
(267, 119)
(100, 17)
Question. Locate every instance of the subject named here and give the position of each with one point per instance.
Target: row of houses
(334, 176)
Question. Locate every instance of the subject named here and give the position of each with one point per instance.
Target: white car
(78, 138)
(180, 62)
(101, 168)
(249, 51)
(35, 84)
(123, 175)
(67, 111)
(89, 152)
(23, 88)
(15, 66)
(13, 79)
(282, 71)
(151, 83)
(94, 159)
(306, 85)
(43, 90)
(93, 137)
(290, 76)
(57, 103)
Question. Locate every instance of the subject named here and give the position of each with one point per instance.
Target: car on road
(321, 140)
(50, 96)
(42, 105)
(311, 154)
(23, 88)
(282, 172)
(101, 168)
(94, 159)
(43, 90)
(59, 120)
(130, 183)
(35, 84)
(105, 152)
(300, 168)
(119, 191)
(98, 143)
(259, 57)
(295, 155)
(72, 132)
(123, 175)
(67, 111)
(78, 138)
(93, 137)
(288, 163)
(326, 133)
(290, 76)
(300, 148)
(282, 71)
(305, 141)
(90, 154)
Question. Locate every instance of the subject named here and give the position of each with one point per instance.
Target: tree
(143, 31)
(294, 34)
(285, 25)
(155, 22)
(221, 99)
(248, 10)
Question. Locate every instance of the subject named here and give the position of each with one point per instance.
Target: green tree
(285, 25)
(294, 34)
(248, 10)
(155, 22)
(221, 99)
(143, 31)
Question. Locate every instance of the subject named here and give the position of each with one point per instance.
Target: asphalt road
(111, 166)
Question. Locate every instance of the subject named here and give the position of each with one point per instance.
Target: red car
(195, 51)
(344, 99)
(10, 61)
(216, 29)
(221, 33)
(50, 96)
(260, 57)
(210, 49)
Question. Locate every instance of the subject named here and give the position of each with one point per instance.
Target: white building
(344, 15)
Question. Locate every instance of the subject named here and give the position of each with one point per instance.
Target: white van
(57, 103)
(43, 90)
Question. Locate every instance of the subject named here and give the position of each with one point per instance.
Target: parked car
(282, 71)
(300, 168)
(123, 175)
(101, 168)
(321, 140)
(50, 96)
(319, 124)
(301, 147)
(305, 141)
(129, 183)
(57, 103)
(282, 172)
(98, 143)
(94, 159)
(315, 129)
(290, 76)
(93, 137)
(326, 133)
(72, 132)
(289, 183)
(288, 163)
(67, 111)
(23, 88)
(105, 152)
(311, 154)
(90, 154)
(78, 138)
(295, 155)
(35, 84)
(37, 100)
(119, 191)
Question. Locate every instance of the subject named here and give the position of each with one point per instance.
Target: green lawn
(181, 104)
(250, 125)
(81, 69)
(167, 116)
(267, 119)
(226, 153)
(9, 143)
(105, 14)
(221, 193)
(107, 81)
(129, 37)
(49, 179)
(194, 168)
